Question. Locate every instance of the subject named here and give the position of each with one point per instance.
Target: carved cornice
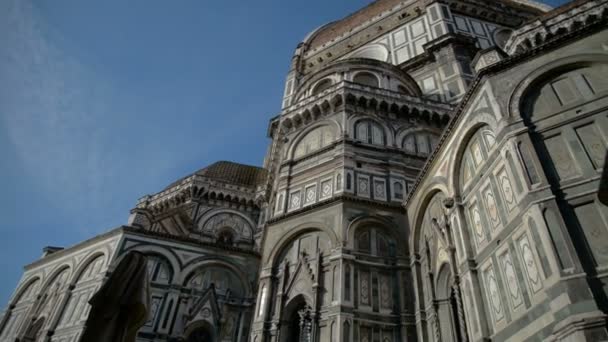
(554, 24)
(313, 108)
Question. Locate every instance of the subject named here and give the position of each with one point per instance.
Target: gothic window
(398, 190)
(314, 141)
(322, 86)
(338, 182)
(370, 132)
(422, 143)
(159, 271)
(349, 181)
(366, 79)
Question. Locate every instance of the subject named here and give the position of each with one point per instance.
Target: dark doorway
(201, 334)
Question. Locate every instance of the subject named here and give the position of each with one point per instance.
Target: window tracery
(422, 143)
(322, 86)
(370, 132)
(373, 241)
(366, 79)
(315, 140)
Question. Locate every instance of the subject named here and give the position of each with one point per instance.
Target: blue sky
(102, 102)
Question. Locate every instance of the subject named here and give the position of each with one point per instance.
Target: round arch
(379, 222)
(294, 143)
(158, 250)
(472, 127)
(352, 65)
(202, 220)
(359, 77)
(538, 75)
(193, 327)
(201, 263)
(295, 232)
(389, 132)
(376, 51)
(55, 273)
(86, 262)
(430, 192)
(404, 132)
(25, 286)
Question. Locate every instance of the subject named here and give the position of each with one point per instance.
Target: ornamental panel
(506, 189)
(364, 297)
(562, 160)
(593, 144)
(532, 271)
(493, 293)
(510, 275)
(311, 195)
(491, 206)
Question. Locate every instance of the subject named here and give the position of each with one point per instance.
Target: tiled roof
(234, 173)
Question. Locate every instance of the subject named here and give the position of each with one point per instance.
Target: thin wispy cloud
(50, 107)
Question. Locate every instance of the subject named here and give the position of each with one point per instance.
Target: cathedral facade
(432, 175)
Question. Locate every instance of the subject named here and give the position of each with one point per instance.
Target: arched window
(373, 241)
(370, 132)
(422, 143)
(322, 86)
(366, 79)
(314, 141)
